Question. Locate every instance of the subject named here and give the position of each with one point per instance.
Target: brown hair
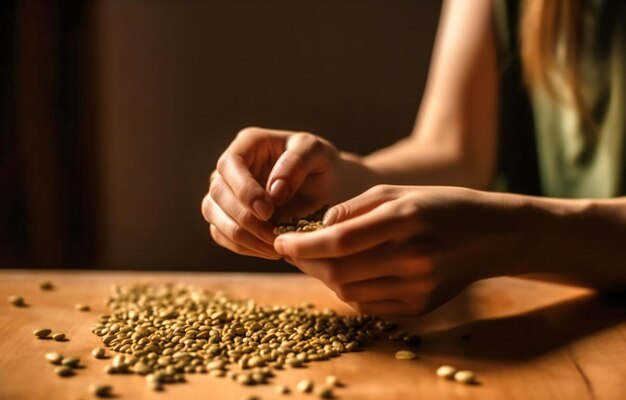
(548, 27)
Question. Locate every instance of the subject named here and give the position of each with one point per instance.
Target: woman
(393, 245)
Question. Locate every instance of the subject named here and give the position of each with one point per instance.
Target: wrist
(354, 176)
(550, 232)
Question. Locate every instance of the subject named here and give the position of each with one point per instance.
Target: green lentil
(101, 390)
(17, 301)
(305, 386)
(332, 380)
(99, 353)
(54, 358)
(405, 355)
(282, 389)
(42, 333)
(310, 223)
(446, 371)
(324, 392)
(465, 376)
(73, 362)
(64, 371)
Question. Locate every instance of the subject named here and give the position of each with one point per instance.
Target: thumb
(359, 205)
(304, 154)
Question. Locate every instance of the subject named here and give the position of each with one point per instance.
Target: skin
(395, 248)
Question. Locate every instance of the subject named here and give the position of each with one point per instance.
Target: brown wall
(177, 79)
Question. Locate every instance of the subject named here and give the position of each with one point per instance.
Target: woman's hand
(407, 249)
(269, 173)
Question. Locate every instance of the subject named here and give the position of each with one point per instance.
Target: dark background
(113, 113)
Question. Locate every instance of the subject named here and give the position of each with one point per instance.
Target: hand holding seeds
(273, 174)
(406, 250)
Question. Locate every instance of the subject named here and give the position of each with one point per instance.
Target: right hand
(267, 174)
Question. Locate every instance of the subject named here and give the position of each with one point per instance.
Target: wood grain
(529, 340)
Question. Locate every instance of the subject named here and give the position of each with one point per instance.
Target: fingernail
(329, 217)
(262, 209)
(279, 245)
(279, 190)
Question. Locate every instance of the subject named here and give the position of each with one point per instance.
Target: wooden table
(528, 341)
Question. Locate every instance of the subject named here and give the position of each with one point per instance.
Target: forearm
(426, 161)
(576, 241)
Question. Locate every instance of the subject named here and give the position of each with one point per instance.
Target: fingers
(237, 162)
(395, 288)
(383, 224)
(304, 155)
(230, 234)
(224, 198)
(360, 204)
(236, 173)
(386, 260)
(386, 307)
(225, 242)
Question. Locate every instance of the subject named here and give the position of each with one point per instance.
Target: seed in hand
(310, 223)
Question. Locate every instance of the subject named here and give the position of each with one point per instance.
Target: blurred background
(113, 113)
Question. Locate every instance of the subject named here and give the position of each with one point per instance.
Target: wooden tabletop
(529, 340)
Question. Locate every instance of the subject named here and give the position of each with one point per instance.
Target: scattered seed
(101, 390)
(465, 376)
(405, 355)
(64, 371)
(46, 285)
(245, 379)
(282, 389)
(446, 371)
(59, 337)
(42, 333)
(17, 301)
(170, 330)
(155, 385)
(54, 358)
(305, 386)
(82, 307)
(73, 362)
(250, 398)
(99, 353)
(324, 392)
(332, 380)
(218, 373)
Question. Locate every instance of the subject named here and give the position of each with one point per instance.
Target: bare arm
(454, 139)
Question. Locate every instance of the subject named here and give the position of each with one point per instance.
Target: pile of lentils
(165, 331)
(309, 223)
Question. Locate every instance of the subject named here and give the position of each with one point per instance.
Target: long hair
(551, 34)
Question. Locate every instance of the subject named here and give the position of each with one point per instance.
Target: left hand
(409, 249)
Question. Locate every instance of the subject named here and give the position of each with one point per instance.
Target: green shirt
(568, 164)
